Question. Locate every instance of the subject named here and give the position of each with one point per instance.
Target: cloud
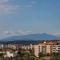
(23, 32)
(8, 33)
(7, 8)
(56, 33)
(19, 32)
(3, 1)
(31, 4)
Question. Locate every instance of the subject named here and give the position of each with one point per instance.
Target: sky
(19, 17)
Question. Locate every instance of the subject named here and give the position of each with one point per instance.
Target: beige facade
(42, 48)
(48, 49)
(36, 50)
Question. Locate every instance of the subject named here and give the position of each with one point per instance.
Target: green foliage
(25, 54)
(41, 55)
(31, 51)
(55, 56)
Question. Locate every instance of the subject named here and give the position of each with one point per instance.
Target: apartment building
(46, 48)
(42, 48)
(56, 48)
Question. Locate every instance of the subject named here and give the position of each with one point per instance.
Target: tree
(41, 54)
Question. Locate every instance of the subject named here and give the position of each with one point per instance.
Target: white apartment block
(56, 48)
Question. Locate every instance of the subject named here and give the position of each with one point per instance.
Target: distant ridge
(43, 36)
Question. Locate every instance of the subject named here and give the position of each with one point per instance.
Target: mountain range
(43, 36)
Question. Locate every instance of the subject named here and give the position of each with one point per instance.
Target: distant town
(38, 49)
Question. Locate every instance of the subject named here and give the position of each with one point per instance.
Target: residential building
(56, 48)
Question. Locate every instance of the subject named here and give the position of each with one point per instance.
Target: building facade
(46, 48)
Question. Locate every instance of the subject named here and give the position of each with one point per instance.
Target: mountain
(28, 37)
(58, 35)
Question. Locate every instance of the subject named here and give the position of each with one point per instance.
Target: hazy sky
(29, 16)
